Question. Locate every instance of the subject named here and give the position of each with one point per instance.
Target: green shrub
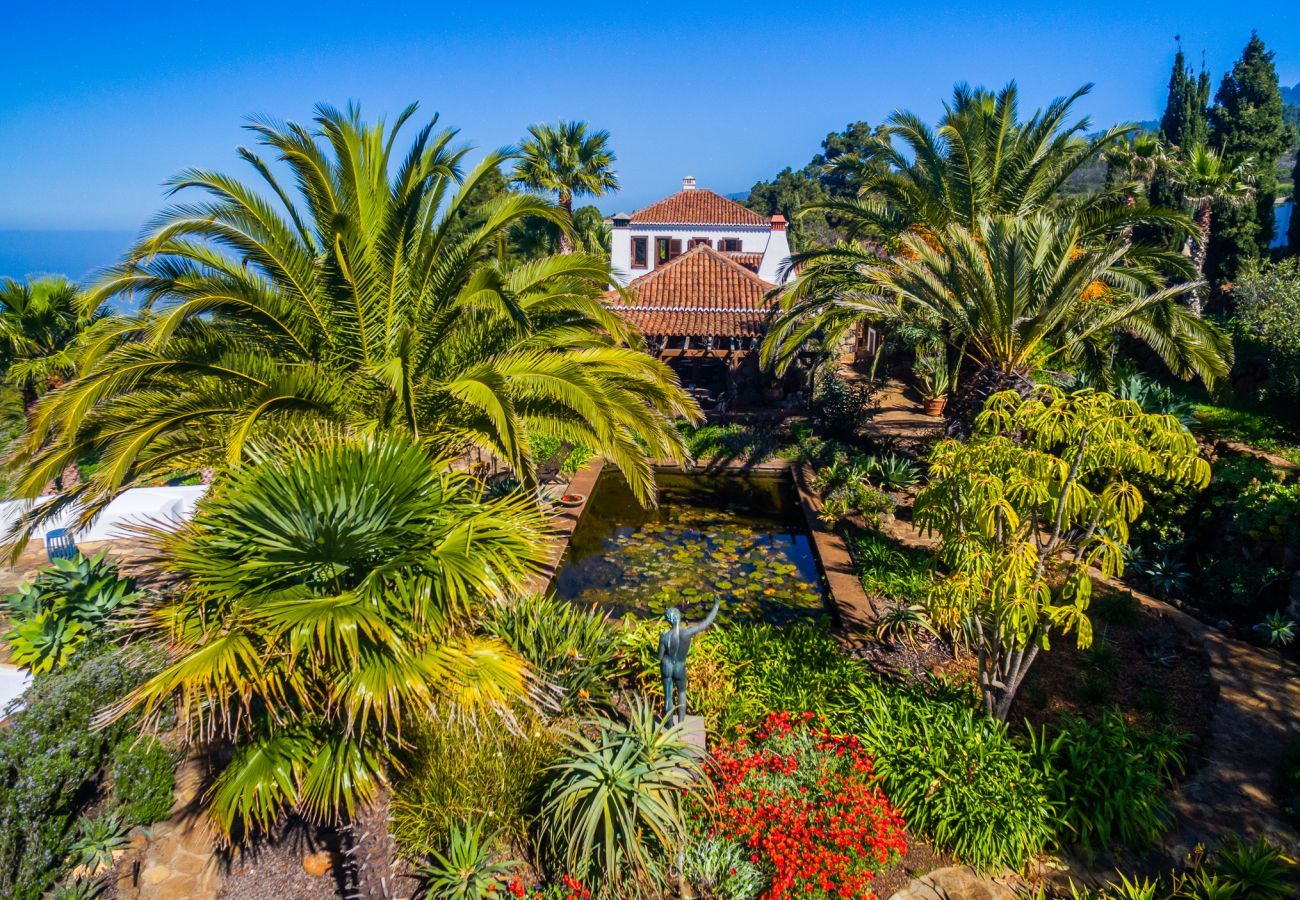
(889, 570)
(1108, 780)
(459, 771)
(54, 614)
(613, 812)
(1267, 300)
(719, 869)
(574, 649)
(955, 773)
(1289, 782)
(50, 758)
(144, 780)
(839, 408)
(545, 448)
(729, 442)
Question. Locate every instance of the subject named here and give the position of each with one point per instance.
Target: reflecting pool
(740, 538)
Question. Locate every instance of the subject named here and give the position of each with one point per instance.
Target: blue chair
(59, 544)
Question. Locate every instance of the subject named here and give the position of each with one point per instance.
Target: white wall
(753, 239)
(152, 506)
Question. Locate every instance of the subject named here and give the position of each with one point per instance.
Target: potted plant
(931, 372)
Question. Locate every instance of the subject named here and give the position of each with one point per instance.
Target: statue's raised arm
(693, 630)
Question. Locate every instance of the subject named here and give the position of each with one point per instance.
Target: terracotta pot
(934, 406)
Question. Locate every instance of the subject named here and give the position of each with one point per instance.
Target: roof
(701, 293)
(750, 261)
(697, 206)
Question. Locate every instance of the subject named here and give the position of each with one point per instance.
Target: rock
(695, 733)
(139, 842)
(955, 883)
(318, 864)
(155, 875)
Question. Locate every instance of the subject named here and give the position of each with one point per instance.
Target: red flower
(807, 804)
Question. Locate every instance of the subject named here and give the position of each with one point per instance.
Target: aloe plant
(468, 870)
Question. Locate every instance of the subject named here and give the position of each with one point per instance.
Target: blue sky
(99, 105)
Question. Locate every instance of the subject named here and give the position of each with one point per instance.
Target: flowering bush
(806, 804)
(568, 888)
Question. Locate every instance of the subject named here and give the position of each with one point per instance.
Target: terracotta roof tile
(750, 261)
(697, 206)
(700, 293)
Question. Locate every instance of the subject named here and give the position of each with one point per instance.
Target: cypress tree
(1246, 121)
(1184, 121)
(1171, 123)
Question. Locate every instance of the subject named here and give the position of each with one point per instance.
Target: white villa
(656, 235)
(697, 275)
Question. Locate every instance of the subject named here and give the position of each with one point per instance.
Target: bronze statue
(673, 647)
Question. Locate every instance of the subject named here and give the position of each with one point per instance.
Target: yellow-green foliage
(1040, 497)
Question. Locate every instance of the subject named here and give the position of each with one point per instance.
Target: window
(699, 240)
(640, 253)
(729, 245)
(666, 250)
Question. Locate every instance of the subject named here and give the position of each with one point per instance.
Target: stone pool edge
(850, 605)
(564, 521)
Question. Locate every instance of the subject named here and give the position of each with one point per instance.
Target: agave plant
(1259, 870)
(1277, 628)
(97, 839)
(892, 472)
(43, 641)
(613, 812)
(1166, 575)
(53, 614)
(468, 870)
(77, 889)
(901, 623)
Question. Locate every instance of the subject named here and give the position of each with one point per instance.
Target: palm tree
(326, 600)
(980, 165)
(40, 322)
(1206, 178)
(357, 296)
(41, 325)
(1013, 294)
(568, 160)
(1138, 160)
(982, 160)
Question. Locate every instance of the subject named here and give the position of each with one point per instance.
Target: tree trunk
(371, 851)
(70, 477)
(965, 404)
(566, 201)
(1200, 248)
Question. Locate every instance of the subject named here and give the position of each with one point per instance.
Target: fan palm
(569, 161)
(1206, 178)
(325, 601)
(1014, 293)
(40, 322)
(357, 297)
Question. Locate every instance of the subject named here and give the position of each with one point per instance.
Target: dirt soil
(1141, 661)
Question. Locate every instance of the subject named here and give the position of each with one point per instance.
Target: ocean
(78, 255)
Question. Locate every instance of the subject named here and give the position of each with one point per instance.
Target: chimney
(688, 183)
(778, 222)
(619, 220)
